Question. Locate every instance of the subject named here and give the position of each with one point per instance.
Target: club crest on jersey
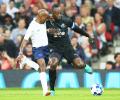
(63, 25)
(51, 50)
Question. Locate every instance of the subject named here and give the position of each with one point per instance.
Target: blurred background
(100, 18)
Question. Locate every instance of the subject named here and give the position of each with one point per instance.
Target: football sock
(52, 76)
(43, 79)
(30, 63)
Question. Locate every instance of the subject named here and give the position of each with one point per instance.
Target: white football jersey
(38, 34)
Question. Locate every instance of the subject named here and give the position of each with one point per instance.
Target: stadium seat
(117, 49)
(110, 57)
(102, 65)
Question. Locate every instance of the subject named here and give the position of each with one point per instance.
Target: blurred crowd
(100, 18)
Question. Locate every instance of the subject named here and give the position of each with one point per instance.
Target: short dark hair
(110, 62)
(12, 1)
(55, 6)
(115, 56)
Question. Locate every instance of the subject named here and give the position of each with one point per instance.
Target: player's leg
(78, 63)
(52, 77)
(25, 61)
(73, 57)
(41, 70)
(53, 62)
(43, 76)
(38, 54)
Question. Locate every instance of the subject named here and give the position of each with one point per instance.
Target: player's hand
(19, 58)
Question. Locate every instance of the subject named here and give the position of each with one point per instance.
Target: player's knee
(53, 62)
(78, 63)
(42, 66)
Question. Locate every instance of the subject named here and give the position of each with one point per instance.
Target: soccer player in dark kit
(60, 46)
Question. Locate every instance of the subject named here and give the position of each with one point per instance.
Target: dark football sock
(52, 76)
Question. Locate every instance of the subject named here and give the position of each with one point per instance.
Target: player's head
(42, 15)
(56, 11)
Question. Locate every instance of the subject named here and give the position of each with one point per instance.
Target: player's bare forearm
(22, 46)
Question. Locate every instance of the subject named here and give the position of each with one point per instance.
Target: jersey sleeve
(67, 21)
(74, 27)
(28, 33)
(79, 30)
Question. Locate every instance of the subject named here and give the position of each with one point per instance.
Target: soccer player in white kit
(37, 32)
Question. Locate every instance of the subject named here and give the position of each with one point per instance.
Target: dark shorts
(68, 53)
(40, 52)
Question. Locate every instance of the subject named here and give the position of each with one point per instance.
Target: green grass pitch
(61, 94)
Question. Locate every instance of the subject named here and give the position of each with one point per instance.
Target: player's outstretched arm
(79, 30)
(23, 44)
(74, 27)
(82, 32)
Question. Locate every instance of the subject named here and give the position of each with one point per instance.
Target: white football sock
(43, 79)
(29, 62)
(32, 64)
